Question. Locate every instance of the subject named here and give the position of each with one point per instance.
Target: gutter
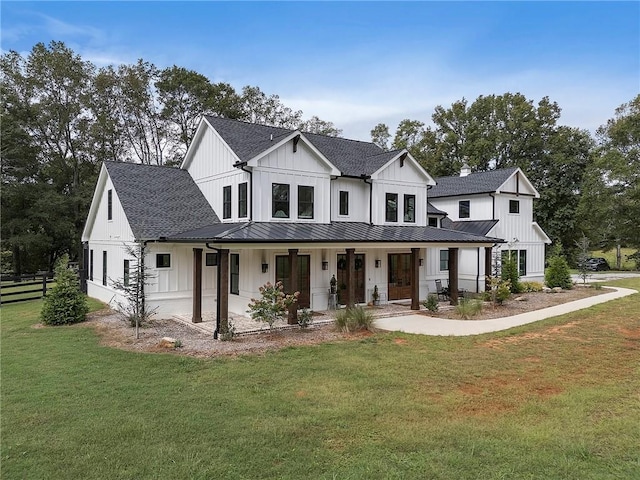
(364, 179)
(242, 166)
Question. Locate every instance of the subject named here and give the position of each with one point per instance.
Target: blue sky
(361, 63)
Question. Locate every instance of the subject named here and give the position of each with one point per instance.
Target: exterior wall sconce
(325, 265)
(265, 267)
(421, 261)
(378, 263)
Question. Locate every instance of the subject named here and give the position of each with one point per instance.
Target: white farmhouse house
(252, 204)
(497, 203)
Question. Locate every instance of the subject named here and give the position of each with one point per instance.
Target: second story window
(226, 202)
(514, 206)
(410, 208)
(391, 201)
(344, 202)
(280, 200)
(242, 200)
(464, 209)
(305, 201)
(109, 204)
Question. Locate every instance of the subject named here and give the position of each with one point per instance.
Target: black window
(110, 204)
(234, 286)
(242, 200)
(163, 260)
(280, 200)
(522, 262)
(514, 206)
(104, 267)
(91, 265)
(211, 259)
(464, 209)
(305, 201)
(392, 207)
(226, 202)
(125, 276)
(444, 260)
(410, 208)
(433, 222)
(344, 203)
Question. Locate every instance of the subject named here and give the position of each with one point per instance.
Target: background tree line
(588, 186)
(62, 116)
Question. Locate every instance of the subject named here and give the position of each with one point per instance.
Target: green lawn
(557, 399)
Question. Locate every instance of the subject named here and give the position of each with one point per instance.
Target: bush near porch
(557, 398)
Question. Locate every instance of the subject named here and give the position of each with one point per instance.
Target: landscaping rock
(167, 342)
(557, 289)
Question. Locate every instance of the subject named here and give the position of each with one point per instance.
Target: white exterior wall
(358, 200)
(480, 207)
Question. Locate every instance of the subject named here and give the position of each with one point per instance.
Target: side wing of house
(106, 236)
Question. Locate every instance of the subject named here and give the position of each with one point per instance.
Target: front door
(399, 276)
(304, 277)
(342, 278)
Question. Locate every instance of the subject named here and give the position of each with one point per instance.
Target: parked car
(598, 264)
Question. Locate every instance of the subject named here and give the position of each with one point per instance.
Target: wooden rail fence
(24, 286)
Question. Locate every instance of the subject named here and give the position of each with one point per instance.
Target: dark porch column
(453, 275)
(488, 257)
(196, 317)
(223, 290)
(415, 279)
(293, 284)
(351, 277)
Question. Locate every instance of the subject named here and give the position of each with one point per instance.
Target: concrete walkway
(425, 325)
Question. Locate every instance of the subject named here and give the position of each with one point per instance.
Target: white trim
(428, 178)
(543, 235)
(95, 203)
(523, 177)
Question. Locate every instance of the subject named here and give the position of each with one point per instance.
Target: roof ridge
(246, 122)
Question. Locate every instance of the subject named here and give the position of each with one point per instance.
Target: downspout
(365, 178)
(242, 166)
(478, 272)
(218, 277)
(493, 207)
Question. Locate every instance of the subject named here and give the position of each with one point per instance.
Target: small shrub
(557, 274)
(431, 303)
(510, 272)
(597, 286)
(468, 308)
(64, 303)
(177, 344)
(499, 290)
(528, 287)
(274, 304)
(229, 333)
(354, 319)
(305, 318)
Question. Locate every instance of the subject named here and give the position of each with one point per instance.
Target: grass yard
(557, 399)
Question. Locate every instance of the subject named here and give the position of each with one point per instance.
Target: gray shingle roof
(267, 232)
(431, 210)
(351, 157)
(159, 201)
(476, 227)
(480, 182)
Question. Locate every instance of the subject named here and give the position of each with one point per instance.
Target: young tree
(64, 303)
(582, 247)
(133, 306)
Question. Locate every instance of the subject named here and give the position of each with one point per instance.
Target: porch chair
(441, 291)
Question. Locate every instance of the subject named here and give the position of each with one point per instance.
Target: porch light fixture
(378, 263)
(325, 265)
(265, 267)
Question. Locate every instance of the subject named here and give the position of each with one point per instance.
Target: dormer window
(280, 200)
(514, 206)
(464, 209)
(433, 222)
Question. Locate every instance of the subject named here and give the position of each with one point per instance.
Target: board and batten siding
(480, 207)
(358, 200)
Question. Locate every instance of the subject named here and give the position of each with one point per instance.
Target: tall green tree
(610, 204)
